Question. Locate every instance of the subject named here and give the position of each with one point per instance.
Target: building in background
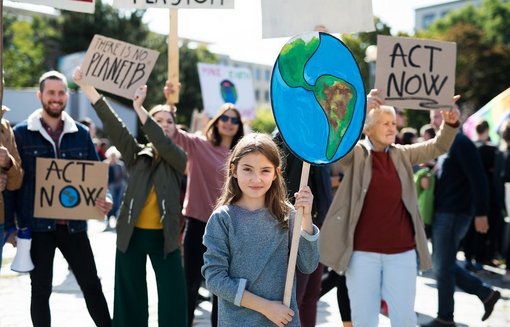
(425, 16)
(23, 102)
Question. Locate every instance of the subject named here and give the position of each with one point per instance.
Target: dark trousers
(342, 296)
(308, 294)
(131, 300)
(193, 261)
(76, 250)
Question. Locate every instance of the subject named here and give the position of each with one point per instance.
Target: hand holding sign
(452, 116)
(169, 90)
(104, 205)
(139, 97)
(374, 99)
(304, 200)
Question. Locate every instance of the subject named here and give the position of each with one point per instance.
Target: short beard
(51, 113)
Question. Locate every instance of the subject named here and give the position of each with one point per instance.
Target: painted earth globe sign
(228, 91)
(318, 97)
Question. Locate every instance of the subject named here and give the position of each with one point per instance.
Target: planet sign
(318, 97)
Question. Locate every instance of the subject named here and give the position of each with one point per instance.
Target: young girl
(248, 238)
(149, 222)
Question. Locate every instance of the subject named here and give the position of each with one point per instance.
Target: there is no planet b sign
(318, 97)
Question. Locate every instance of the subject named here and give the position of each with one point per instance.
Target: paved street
(68, 307)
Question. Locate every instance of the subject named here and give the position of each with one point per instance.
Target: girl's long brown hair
(276, 197)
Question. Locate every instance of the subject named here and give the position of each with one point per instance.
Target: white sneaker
(112, 222)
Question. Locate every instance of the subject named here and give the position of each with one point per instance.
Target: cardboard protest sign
(175, 4)
(335, 16)
(416, 73)
(220, 84)
(67, 189)
(117, 67)
(318, 97)
(86, 6)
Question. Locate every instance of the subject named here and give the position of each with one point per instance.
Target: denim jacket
(33, 141)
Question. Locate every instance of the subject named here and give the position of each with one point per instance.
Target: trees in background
(31, 47)
(26, 48)
(482, 35)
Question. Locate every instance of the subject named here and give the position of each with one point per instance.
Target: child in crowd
(248, 238)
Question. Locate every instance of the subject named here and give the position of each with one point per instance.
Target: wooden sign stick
(291, 268)
(173, 57)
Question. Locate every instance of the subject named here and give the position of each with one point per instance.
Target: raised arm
(117, 132)
(138, 99)
(87, 89)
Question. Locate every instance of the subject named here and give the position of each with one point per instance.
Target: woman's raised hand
(452, 116)
(78, 76)
(374, 99)
(139, 97)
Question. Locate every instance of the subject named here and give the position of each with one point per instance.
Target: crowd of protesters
(196, 203)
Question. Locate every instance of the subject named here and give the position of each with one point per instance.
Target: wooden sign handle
(173, 56)
(291, 268)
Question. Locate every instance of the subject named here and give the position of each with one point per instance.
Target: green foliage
(27, 45)
(483, 51)
(358, 44)
(264, 121)
(191, 95)
(77, 29)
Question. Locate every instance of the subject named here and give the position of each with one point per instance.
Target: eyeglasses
(233, 120)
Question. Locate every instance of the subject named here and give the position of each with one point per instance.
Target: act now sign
(67, 189)
(416, 73)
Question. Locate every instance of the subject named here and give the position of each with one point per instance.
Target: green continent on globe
(292, 61)
(337, 99)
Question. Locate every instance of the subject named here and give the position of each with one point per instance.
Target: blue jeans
(375, 276)
(117, 192)
(447, 232)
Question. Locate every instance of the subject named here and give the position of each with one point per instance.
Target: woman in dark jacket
(148, 222)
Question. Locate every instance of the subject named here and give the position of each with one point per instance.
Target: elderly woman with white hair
(373, 231)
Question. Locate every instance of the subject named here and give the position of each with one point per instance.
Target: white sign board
(86, 6)
(284, 18)
(221, 84)
(184, 4)
(117, 67)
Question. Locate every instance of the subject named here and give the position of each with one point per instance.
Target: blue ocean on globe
(69, 197)
(298, 115)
